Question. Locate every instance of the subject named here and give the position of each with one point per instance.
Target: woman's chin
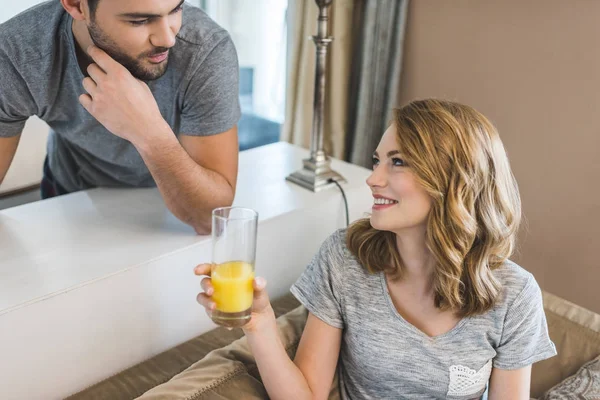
(379, 225)
(383, 224)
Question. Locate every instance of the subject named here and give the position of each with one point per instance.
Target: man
(137, 93)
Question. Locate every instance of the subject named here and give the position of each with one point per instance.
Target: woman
(418, 301)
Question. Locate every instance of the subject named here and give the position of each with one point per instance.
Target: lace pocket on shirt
(465, 381)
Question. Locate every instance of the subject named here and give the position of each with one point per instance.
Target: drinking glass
(233, 256)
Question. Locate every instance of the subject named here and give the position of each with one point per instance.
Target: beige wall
(533, 67)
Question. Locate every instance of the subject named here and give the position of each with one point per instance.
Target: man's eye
(398, 162)
(178, 9)
(138, 23)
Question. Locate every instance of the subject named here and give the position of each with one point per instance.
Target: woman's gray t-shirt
(382, 356)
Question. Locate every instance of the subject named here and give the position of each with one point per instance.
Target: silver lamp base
(315, 176)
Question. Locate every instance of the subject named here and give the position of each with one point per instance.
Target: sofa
(218, 364)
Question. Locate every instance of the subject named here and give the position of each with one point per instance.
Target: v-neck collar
(388, 299)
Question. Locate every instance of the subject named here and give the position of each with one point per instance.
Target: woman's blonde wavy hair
(457, 156)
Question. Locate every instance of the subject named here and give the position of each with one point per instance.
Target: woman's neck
(417, 260)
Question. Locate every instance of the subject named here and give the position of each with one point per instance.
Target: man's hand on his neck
(123, 104)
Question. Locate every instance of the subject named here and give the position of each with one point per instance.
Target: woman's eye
(398, 162)
(375, 162)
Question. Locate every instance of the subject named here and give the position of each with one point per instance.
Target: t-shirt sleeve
(525, 339)
(16, 103)
(320, 287)
(211, 103)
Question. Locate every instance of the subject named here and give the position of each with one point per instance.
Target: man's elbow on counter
(203, 223)
(203, 227)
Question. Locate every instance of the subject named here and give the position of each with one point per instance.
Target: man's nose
(164, 34)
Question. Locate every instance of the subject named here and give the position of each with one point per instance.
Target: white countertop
(96, 281)
(53, 245)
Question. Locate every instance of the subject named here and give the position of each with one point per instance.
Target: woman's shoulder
(337, 238)
(516, 282)
(336, 250)
(512, 274)
(336, 243)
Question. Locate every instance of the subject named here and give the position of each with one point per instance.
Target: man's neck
(83, 40)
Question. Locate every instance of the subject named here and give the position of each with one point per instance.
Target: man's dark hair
(93, 4)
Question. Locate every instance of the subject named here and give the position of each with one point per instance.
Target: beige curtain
(376, 72)
(301, 74)
(363, 74)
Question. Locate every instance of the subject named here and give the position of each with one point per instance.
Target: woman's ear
(76, 8)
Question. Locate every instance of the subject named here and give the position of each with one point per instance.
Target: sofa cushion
(140, 378)
(585, 384)
(228, 372)
(576, 333)
(574, 330)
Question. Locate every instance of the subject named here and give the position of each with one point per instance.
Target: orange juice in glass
(234, 252)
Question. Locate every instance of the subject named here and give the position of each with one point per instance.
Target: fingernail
(260, 282)
(210, 291)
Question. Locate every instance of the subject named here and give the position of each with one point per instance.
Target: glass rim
(253, 216)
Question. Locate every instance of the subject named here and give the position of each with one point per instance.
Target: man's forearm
(8, 148)
(126, 107)
(190, 191)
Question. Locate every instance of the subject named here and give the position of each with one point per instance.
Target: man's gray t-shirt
(382, 356)
(40, 75)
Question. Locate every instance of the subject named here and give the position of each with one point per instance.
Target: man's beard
(134, 66)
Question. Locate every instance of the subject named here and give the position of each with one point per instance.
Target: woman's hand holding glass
(261, 306)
